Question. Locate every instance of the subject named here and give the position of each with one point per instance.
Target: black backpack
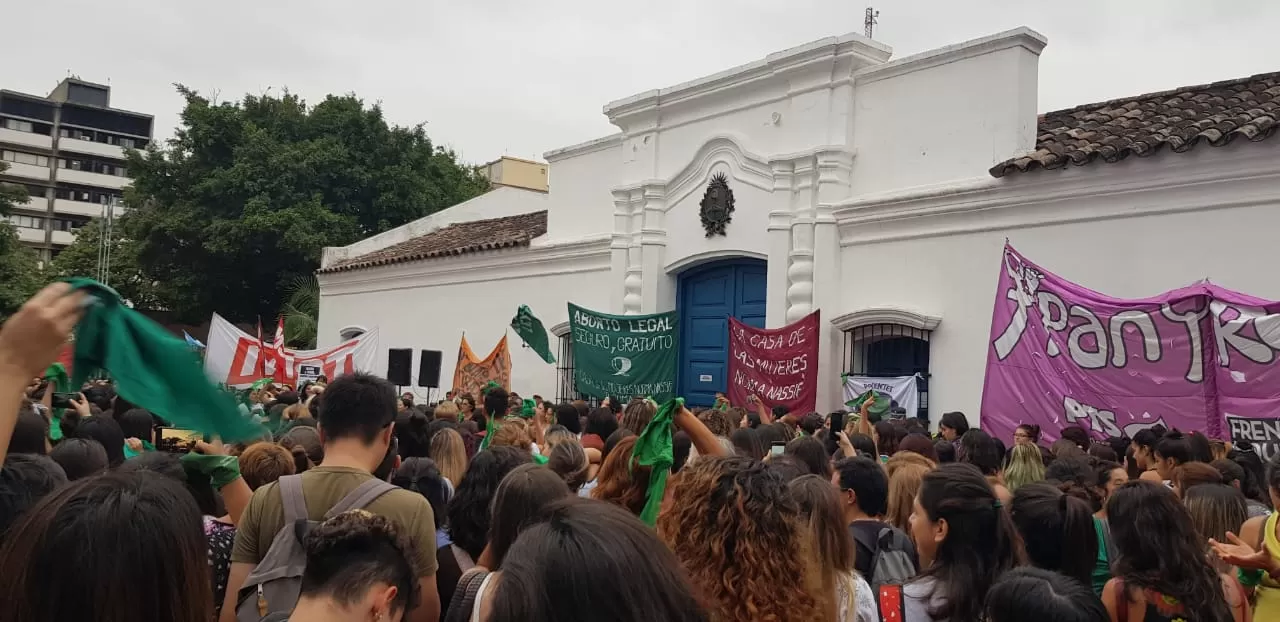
(891, 560)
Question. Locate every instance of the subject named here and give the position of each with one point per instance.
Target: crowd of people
(358, 504)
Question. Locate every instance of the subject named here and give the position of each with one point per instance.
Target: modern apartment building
(67, 149)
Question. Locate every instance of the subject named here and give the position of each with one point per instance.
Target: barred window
(890, 350)
(565, 391)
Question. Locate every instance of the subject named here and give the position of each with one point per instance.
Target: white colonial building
(878, 190)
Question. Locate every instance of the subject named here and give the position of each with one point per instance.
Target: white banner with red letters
(237, 359)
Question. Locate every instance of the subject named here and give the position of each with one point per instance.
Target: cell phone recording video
(776, 448)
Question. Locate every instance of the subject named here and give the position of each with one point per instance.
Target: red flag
(284, 362)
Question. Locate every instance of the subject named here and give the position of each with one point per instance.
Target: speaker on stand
(400, 367)
(429, 370)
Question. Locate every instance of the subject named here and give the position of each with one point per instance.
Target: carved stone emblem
(717, 205)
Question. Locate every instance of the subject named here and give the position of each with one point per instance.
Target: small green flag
(653, 449)
(151, 368)
(879, 408)
(530, 329)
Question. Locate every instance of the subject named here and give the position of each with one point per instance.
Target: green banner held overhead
(624, 356)
(530, 329)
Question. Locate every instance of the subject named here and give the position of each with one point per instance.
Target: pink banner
(1198, 358)
(779, 365)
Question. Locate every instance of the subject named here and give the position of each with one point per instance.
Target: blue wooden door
(709, 296)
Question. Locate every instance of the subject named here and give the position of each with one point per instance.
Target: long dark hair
(746, 442)
(554, 570)
(55, 559)
(980, 450)
(811, 452)
(468, 514)
(522, 494)
(1160, 550)
(1057, 530)
(981, 542)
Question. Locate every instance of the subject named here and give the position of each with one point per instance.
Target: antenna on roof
(869, 22)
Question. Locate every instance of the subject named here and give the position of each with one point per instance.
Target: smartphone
(63, 400)
(837, 422)
(776, 447)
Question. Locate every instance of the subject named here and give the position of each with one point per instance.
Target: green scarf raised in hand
(151, 368)
(58, 383)
(653, 450)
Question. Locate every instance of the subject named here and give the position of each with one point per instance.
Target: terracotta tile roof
(456, 239)
(1180, 119)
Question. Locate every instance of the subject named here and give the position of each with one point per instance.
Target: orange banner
(473, 374)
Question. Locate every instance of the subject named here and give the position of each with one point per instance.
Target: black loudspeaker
(400, 366)
(429, 369)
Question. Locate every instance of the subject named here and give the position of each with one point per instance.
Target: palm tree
(301, 311)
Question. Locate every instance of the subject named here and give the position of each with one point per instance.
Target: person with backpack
(356, 425)
(883, 554)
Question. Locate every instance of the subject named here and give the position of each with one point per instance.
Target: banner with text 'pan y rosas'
(624, 356)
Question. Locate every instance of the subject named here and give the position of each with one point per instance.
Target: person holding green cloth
(151, 368)
(653, 449)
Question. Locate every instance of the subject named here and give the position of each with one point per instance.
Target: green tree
(20, 275)
(246, 195)
(301, 313)
(81, 259)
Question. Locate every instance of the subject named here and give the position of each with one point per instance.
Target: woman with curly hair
(740, 535)
(359, 565)
(1162, 572)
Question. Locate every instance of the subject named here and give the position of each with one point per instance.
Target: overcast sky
(493, 77)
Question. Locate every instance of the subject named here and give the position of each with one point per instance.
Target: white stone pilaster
(632, 297)
(833, 184)
(800, 272)
(653, 247)
(618, 245)
(779, 233)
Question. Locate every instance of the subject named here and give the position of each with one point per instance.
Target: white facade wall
(864, 183)
(430, 304)
(1131, 229)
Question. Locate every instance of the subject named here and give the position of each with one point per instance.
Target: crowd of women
(358, 504)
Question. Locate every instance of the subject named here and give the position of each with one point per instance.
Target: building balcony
(79, 208)
(63, 238)
(29, 139)
(92, 179)
(30, 236)
(90, 147)
(29, 171)
(34, 204)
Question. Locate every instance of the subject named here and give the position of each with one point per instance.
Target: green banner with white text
(624, 356)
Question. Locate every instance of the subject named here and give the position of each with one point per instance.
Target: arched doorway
(708, 295)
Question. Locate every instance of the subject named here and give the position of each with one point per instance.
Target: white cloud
(498, 76)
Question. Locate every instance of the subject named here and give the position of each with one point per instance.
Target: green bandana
(488, 434)
(527, 409)
(151, 367)
(58, 383)
(221, 470)
(653, 449)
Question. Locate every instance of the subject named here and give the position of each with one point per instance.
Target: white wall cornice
(1018, 37)
(588, 255)
(774, 68)
(885, 315)
(559, 330)
(1208, 178)
(591, 146)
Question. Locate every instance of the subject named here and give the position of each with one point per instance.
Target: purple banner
(1197, 358)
